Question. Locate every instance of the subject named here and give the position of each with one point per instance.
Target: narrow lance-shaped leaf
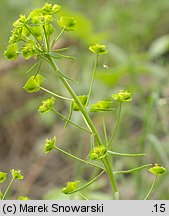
(125, 154)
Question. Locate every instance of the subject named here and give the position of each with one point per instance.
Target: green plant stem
(34, 66)
(76, 99)
(70, 114)
(60, 34)
(108, 167)
(93, 76)
(79, 159)
(151, 189)
(89, 123)
(105, 131)
(68, 120)
(89, 183)
(85, 198)
(56, 95)
(10, 183)
(116, 127)
(37, 71)
(46, 39)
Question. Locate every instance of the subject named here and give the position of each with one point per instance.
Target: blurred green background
(136, 33)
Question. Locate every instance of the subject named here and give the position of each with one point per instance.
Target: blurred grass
(136, 34)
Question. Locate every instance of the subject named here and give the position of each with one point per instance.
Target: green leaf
(83, 100)
(122, 96)
(98, 49)
(70, 187)
(47, 105)
(2, 176)
(157, 170)
(12, 51)
(67, 23)
(125, 154)
(159, 47)
(49, 144)
(34, 82)
(57, 55)
(16, 174)
(101, 106)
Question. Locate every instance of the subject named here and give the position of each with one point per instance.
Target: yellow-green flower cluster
(70, 187)
(157, 170)
(98, 152)
(68, 24)
(83, 100)
(49, 145)
(16, 174)
(31, 34)
(101, 106)
(98, 49)
(122, 96)
(33, 83)
(47, 105)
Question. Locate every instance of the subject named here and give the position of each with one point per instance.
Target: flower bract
(98, 49)
(122, 96)
(33, 83)
(67, 23)
(157, 170)
(83, 100)
(47, 105)
(70, 187)
(2, 176)
(98, 152)
(16, 174)
(49, 145)
(101, 106)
